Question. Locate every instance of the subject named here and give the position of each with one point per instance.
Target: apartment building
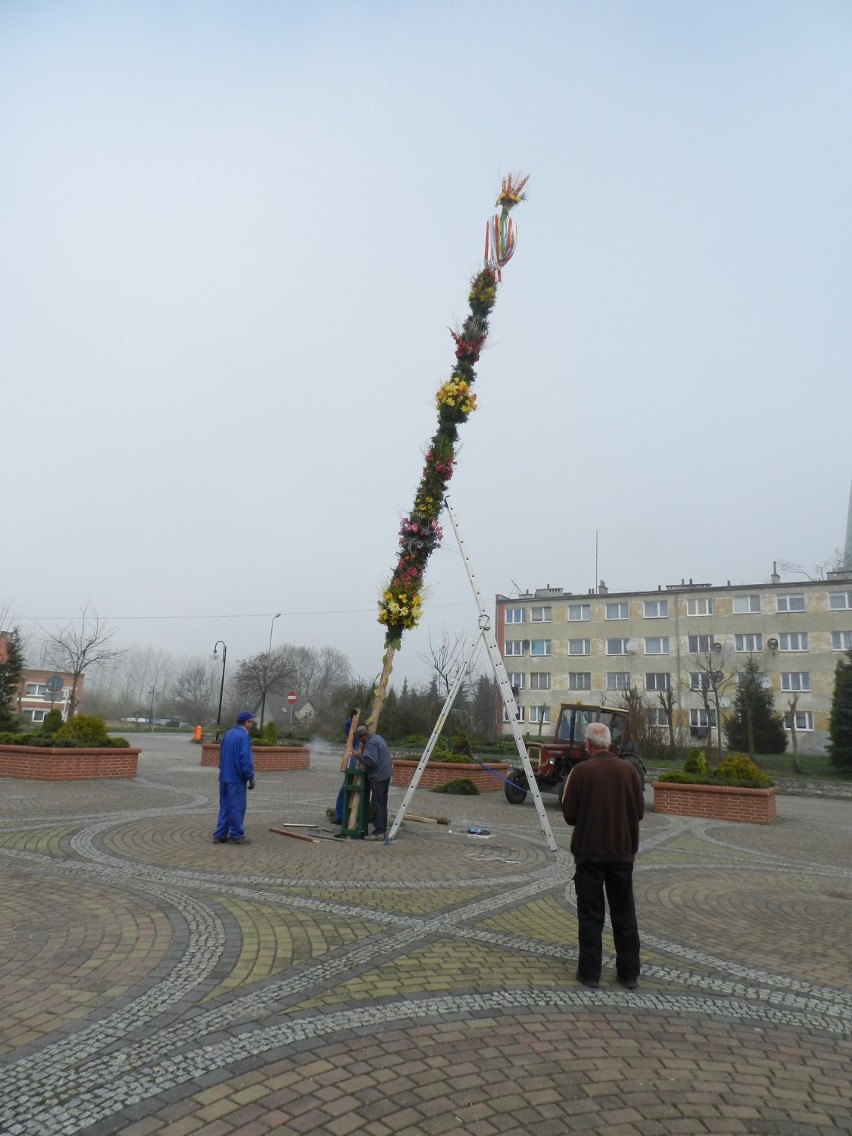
(41, 691)
(560, 647)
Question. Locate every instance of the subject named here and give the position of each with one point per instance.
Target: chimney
(603, 589)
(775, 578)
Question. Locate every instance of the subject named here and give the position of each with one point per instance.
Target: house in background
(42, 691)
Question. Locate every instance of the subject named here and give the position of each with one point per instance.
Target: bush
(52, 722)
(696, 762)
(85, 729)
(460, 787)
(270, 734)
(737, 770)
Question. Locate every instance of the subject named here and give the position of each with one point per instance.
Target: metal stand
(485, 634)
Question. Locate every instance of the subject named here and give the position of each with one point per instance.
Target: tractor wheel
(639, 767)
(516, 787)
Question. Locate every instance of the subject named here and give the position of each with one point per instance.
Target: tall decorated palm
(400, 604)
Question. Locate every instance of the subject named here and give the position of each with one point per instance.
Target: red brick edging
(267, 759)
(55, 763)
(716, 802)
(440, 772)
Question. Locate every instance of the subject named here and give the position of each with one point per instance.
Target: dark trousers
(616, 879)
(379, 804)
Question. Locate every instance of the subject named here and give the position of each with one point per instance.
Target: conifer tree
(11, 670)
(754, 726)
(840, 720)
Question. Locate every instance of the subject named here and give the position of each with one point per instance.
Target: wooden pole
(380, 693)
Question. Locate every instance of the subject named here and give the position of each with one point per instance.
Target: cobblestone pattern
(152, 982)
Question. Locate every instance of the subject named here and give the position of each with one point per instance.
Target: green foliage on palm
(840, 719)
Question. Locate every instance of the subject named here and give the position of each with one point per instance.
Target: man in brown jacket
(604, 802)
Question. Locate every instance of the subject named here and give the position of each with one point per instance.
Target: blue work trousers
(232, 810)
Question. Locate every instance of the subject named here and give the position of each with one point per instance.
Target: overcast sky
(234, 235)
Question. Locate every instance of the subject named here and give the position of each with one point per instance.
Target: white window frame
(793, 641)
(657, 716)
(520, 717)
(539, 714)
(517, 680)
(662, 611)
(617, 646)
(782, 603)
(741, 678)
(746, 605)
(698, 718)
(796, 680)
(844, 601)
(545, 645)
(515, 615)
(38, 715)
(512, 648)
(700, 605)
(618, 680)
(663, 641)
(541, 614)
(623, 610)
(656, 676)
(748, 643)
(700, 648)
(539, 680)
(579, 680)
(841, 640)
(804, 721)
(579, 613)
(584, 644)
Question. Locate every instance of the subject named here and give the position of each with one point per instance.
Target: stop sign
(291, 697)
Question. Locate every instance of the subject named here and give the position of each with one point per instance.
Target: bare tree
(794, 734)
(260, 674)
(717, 673)
(194, 691)
(81, 644)
(445, 660)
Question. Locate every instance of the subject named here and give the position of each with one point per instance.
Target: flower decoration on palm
(400, 604)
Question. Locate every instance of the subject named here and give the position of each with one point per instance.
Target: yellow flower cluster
(399, 609)
(456, 392)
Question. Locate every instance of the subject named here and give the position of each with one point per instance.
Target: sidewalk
(154, 983)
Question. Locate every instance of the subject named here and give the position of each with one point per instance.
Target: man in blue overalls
(236, 774)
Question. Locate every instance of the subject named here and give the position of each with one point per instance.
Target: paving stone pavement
(154, 983)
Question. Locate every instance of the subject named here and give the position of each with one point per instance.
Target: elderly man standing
(376, 759)
(604, 802)
(236, 774)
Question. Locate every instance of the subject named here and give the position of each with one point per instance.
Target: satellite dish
(54, 684)
(631, 646)
(766, 682)
(724, 702)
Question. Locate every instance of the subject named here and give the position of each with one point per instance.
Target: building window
(540, 714)
(746, 605)
(700, 644)
(657, 645)
(839, 601)
(656, 609)
(617, 611)
(703, 606)
(513, 647)
(520, 717)
(618, 680)
(579, 680)
(38, 715)
(540, 680)
(658, 681)
(698, 718)
(579, 612)
(841, 640)
(579, 646)
(540, 647)
(36, 690)
(657, 716)
(617, 646)
(748, 643)
(804, 721)
(698, 680)
(514, 615)
(540, 615)
(793, 641)
(517, 680)
(790, 603)
(795, 680)
(760, 677)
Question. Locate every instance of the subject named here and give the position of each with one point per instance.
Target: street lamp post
(153, 696)
(266, 669)
(221, 684)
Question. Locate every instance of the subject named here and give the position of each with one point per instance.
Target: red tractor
(552, 761)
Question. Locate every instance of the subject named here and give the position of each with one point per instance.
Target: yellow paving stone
(542, 918)
(408, 901)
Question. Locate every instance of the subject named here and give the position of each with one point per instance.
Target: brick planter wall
(36, 763)
(440, 772)
(716, 802)
(267, 759)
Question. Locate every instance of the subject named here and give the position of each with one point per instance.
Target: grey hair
(598, 735)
